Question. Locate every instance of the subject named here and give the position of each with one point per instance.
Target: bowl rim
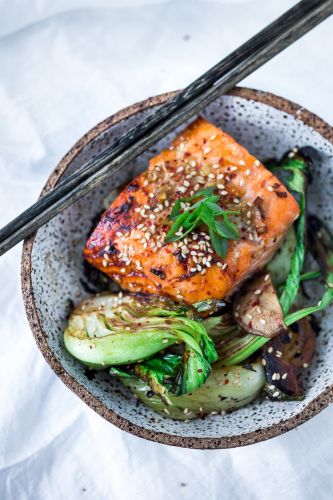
(261, 434)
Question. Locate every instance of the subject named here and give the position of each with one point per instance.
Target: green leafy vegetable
(296, 182)
(204, 211)
(311, 275)
(226, 389)
(279, 266)
(109, 330)
(321, 247)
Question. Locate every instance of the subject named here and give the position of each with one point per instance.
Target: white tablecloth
(64, 66)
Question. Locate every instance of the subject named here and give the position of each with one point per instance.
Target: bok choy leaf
(112, 330)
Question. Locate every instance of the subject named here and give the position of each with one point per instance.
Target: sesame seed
(193, 163)
(236, 200)
(211, 176)
(152, 216)
(276, 394)
(224, 193)
(241, 182)
(216, 165)
(263, 362)
(258, 292)
(270, 350)
(249, 316)
(262, 321)
(256, 163)
(233, 168)
(249, 203)
(278, 354)
(166, 203)
(219, 264)
(284, 376)
(305, 365)
(104, 263)
(123, 270)
(247, 171)
(186, 183)
(151, 195)
(182, 189)
(220, 186)
(241, 162)
(203, 271)
(212, 137)
(118, 233)
(225, 265)
(269, 188)
(258, 310)
(291, 154)
(165, 341)
(207, 150)
(140, 226)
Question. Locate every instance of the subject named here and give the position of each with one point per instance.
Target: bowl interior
(57, 276)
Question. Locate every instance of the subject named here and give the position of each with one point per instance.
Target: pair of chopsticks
(221, 78)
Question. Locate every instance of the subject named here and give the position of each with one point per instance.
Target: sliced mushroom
(257, 308)
(285, 356)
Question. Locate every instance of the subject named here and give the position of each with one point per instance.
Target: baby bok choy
(114, 330)
(226, 389)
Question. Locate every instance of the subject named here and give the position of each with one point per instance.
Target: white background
(65, 65)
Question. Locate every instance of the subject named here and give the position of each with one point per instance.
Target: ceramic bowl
(53, 274)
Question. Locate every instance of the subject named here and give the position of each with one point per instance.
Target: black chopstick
(219, 79)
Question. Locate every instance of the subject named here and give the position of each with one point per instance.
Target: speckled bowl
(52, 271)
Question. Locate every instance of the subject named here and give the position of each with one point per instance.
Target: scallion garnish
(187, 216)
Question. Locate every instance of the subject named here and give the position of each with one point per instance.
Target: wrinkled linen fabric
(64, 66)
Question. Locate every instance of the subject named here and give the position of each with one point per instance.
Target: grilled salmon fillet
(128, 243)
